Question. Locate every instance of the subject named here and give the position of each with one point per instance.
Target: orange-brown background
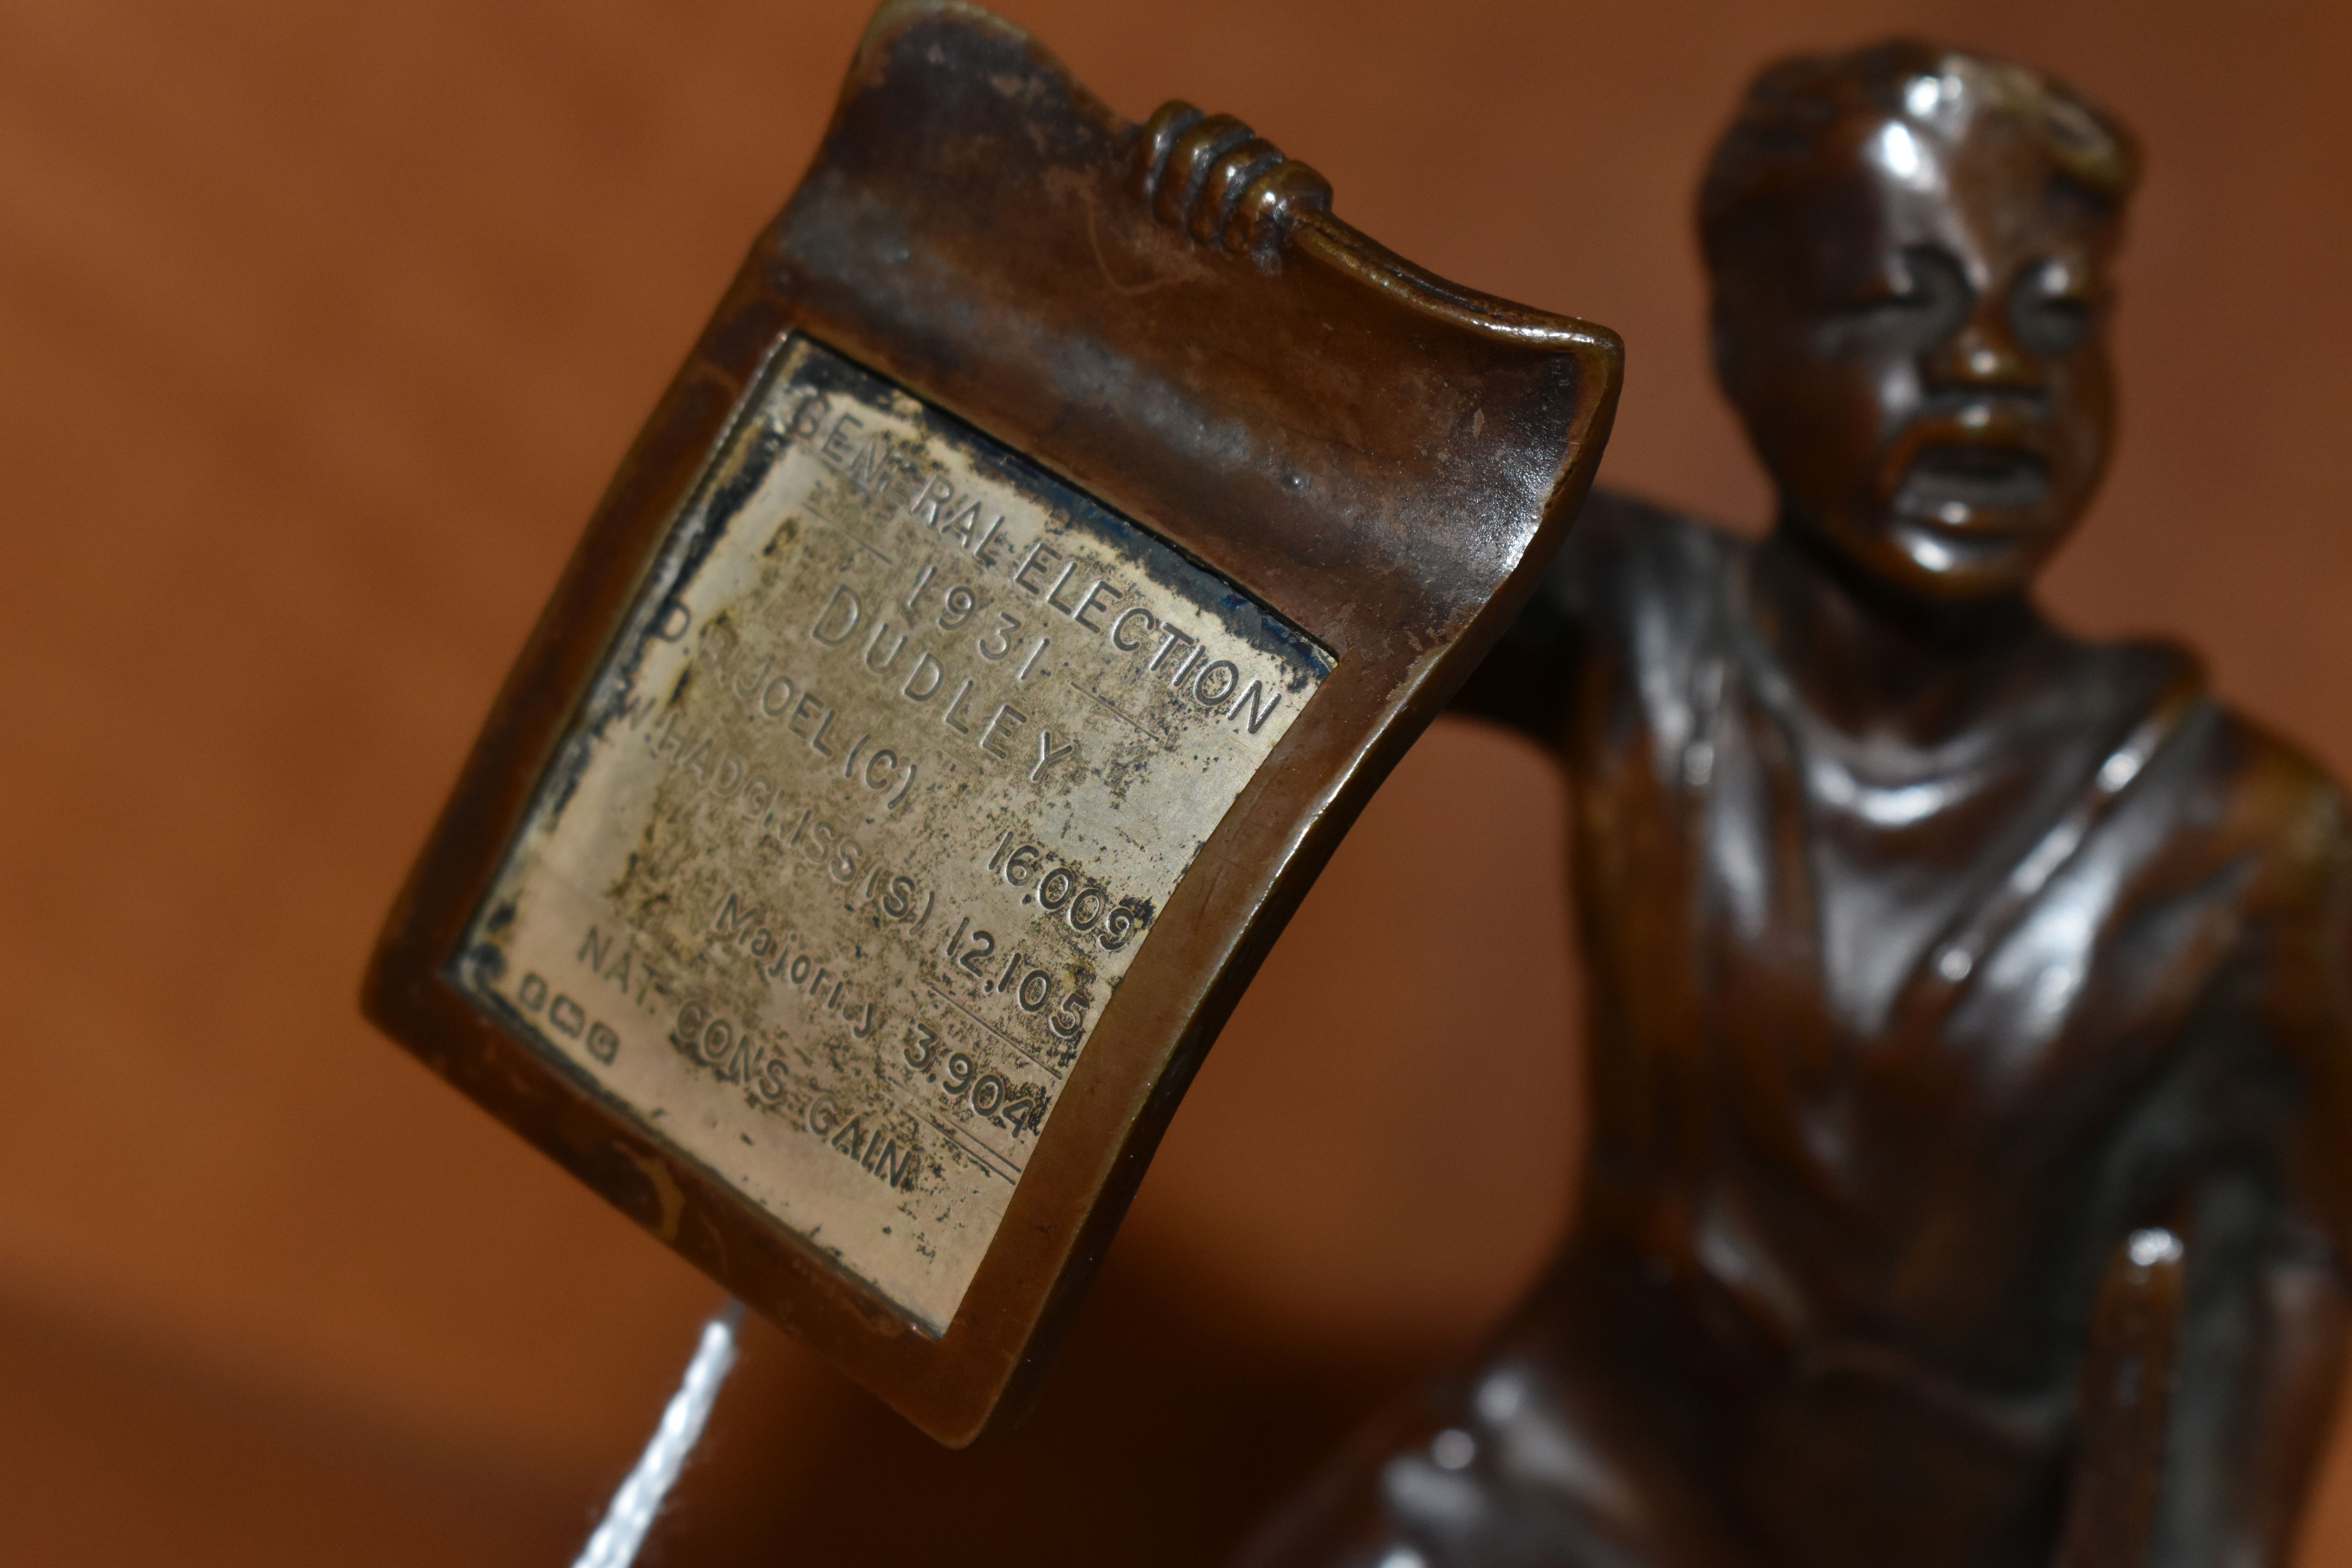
(320, 327)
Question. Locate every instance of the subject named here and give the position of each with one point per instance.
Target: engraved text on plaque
(874, 802)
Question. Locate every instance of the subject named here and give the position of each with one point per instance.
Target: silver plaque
(875, 800)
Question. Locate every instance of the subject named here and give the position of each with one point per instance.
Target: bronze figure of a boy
(1938, 959)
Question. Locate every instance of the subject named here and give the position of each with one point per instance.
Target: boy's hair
(1794, 105)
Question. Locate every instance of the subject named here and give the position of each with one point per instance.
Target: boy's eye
(2046, 314)
(1926, 295)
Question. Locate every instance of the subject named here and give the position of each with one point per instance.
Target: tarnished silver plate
(870, 807)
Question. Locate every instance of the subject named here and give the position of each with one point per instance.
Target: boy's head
(1909, 249)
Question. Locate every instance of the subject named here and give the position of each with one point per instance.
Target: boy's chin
(1899, 560)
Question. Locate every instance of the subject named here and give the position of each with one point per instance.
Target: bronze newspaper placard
(1060, 529)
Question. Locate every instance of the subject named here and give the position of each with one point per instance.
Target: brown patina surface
(1943, 965)
(1345, 474)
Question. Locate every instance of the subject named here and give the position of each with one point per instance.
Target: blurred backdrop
(322, 327)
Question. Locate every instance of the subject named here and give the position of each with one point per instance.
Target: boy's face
(1917, 345)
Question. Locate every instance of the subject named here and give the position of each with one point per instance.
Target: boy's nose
(1984, 354)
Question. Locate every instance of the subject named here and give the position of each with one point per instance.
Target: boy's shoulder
(1631, 562)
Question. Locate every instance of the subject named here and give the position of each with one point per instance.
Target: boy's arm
(1529, 682)
(2262, 1346)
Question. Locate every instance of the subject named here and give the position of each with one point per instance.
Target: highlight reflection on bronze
(1968, 1013)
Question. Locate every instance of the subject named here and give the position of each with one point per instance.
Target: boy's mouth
(1953, 485)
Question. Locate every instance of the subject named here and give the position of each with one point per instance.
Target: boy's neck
(1872, 661)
